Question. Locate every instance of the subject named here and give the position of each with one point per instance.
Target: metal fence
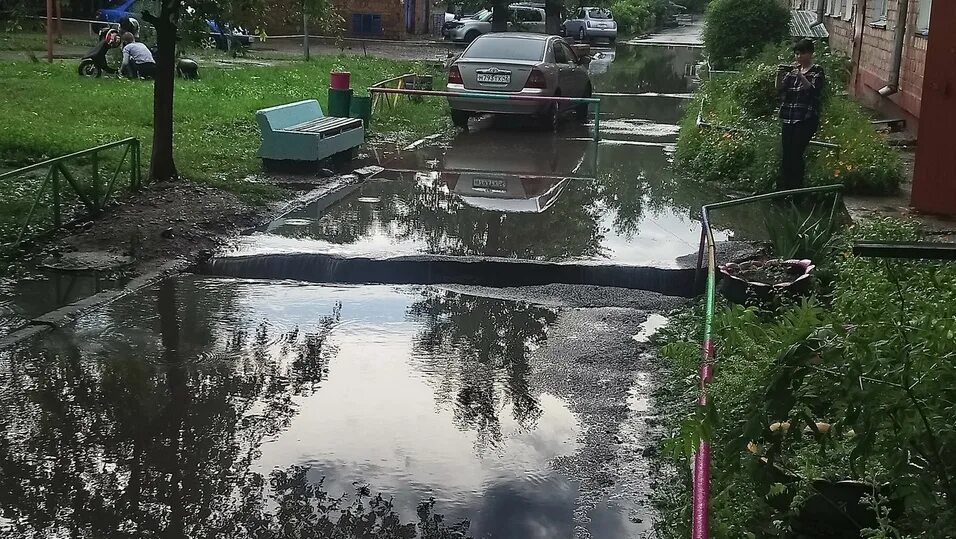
(63, 190)
(492, 96)
(701, 478)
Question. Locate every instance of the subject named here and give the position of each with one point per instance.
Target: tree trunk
(552, 16)
(500, 16)
(161, 164)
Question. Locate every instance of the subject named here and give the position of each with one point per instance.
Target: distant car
(591, 23)
(522, 18)
(217, 37)
(520, 64)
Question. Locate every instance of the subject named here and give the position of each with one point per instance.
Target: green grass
(36, 41)
(48, 110)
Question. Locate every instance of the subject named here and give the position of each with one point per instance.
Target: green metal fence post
(597, 121)
(95, 180)
(56, 195)
(135, 182)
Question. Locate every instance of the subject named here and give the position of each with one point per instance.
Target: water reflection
(635, 210)
(648, 69)
(33, 295)
(219, 408)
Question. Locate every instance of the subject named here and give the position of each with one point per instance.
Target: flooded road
(206, 406)
(212, 406)
(504, 190)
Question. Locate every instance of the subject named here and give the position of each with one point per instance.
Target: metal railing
(700, 523)
(492, 96)
(94, 196)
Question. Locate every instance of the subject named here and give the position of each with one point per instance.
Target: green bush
(635, 17)
(737, 30)
(864, 379)
(742, 149)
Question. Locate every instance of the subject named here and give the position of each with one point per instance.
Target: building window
(366, 23)
(877, 11)
(922, 17)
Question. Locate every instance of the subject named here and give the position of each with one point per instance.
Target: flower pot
(340, 80)
(764, 279)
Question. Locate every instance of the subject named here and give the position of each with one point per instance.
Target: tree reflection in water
(492, 340)
(124, 436)
(424, 212)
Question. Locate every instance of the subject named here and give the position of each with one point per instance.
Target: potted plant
(798, 239)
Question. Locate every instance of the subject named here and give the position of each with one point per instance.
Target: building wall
(876, 53)
(392, 13)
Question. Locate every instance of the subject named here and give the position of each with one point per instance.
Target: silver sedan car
(522, 65)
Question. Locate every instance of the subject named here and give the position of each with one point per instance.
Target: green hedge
(742, 151)
(635, 17)
(737, 30)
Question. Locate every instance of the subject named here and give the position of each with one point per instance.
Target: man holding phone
(800, 87)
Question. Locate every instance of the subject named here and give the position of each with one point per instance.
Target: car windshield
(506, 48)
(483, 15)
(599, 14)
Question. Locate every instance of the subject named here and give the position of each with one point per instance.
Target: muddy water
(202, 406)
(505, 190)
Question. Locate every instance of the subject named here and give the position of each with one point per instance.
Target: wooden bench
(300, 133)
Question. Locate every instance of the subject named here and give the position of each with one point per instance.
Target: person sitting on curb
(137, 59)
(800, 86)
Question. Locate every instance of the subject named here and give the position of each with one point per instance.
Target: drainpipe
(893, 85)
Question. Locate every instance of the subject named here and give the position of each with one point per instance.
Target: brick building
(386, 19)
(923, 91)
(865, 31)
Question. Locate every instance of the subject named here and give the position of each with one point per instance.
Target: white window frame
(879, 10)
(924, 9)
(849, 9)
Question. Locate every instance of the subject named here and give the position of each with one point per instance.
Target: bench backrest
(283, 116)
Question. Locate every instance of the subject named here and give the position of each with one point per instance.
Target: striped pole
(700, 519)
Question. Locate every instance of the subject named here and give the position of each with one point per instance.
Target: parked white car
(590, 24)
(523, 18)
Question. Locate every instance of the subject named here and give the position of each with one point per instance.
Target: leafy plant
(741, 148)
(738, 30)
(799, 233)
(860, 387)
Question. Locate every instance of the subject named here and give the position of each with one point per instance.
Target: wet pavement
(208, 406)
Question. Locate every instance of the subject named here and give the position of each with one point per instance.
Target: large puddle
(202, 405)
(212, 407)
(505, 191)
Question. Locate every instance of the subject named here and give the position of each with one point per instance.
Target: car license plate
(602, 25)
(489, 183)
(494, 78)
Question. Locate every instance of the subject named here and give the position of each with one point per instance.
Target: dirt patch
(161, 222)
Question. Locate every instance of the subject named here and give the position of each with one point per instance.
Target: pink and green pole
(700, 523)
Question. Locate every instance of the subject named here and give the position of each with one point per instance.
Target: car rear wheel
(460, 118)
(550, 118)
(472, 35)
(208, 43)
